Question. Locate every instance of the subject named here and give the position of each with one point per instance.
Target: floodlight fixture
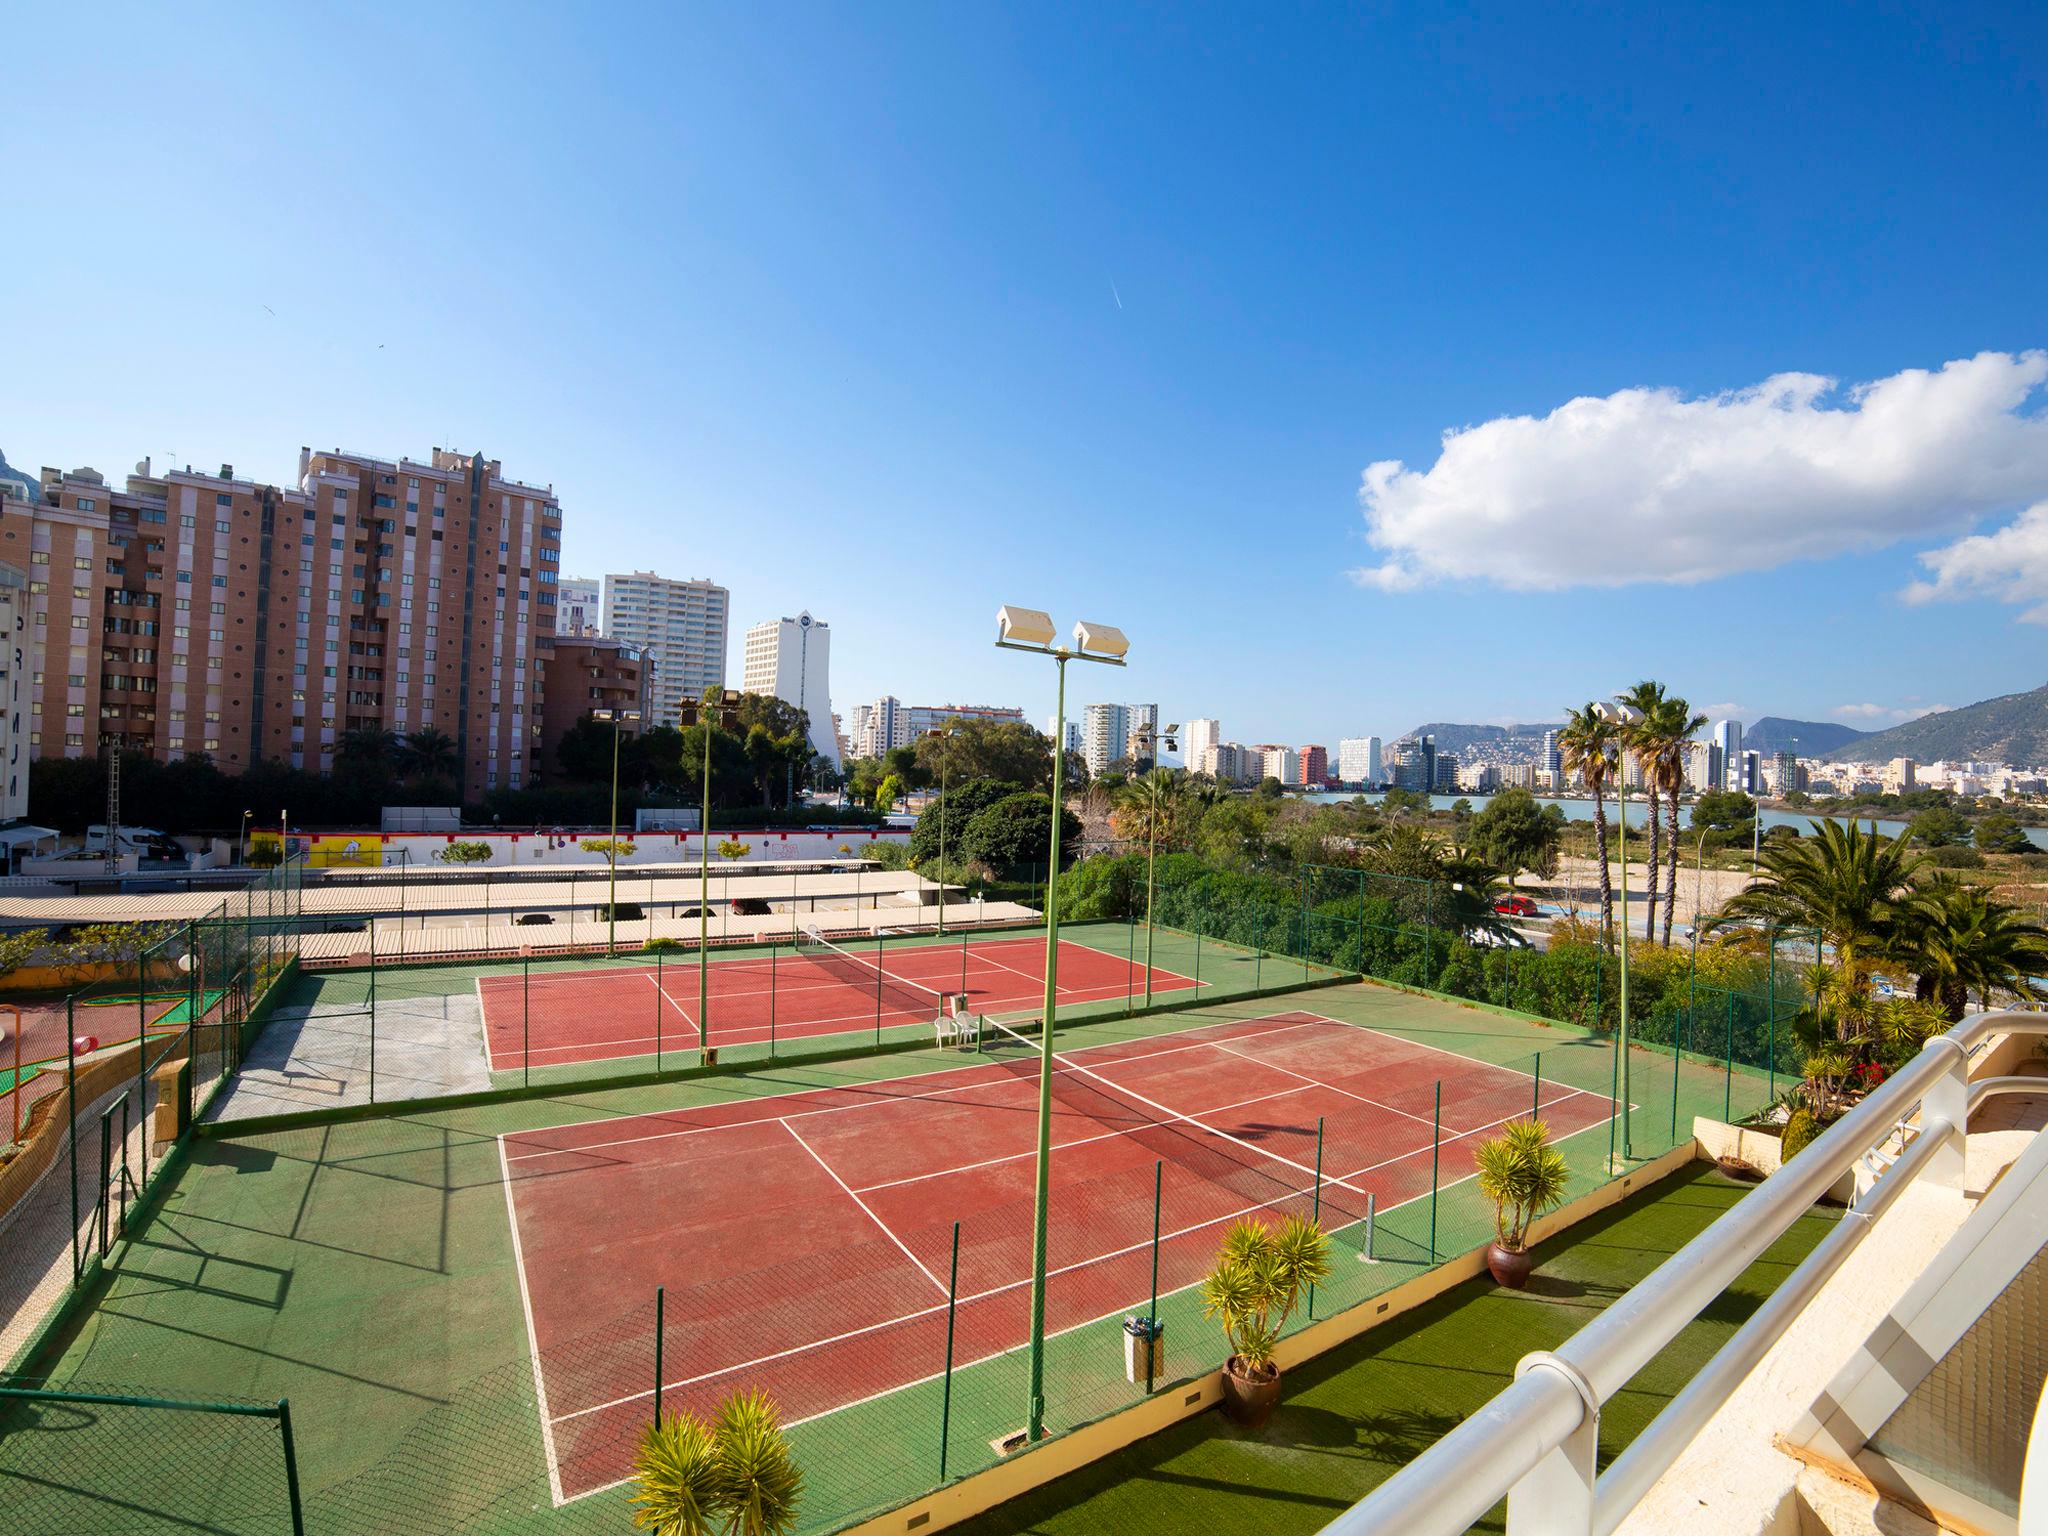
(1024, 627)
(1102, 642)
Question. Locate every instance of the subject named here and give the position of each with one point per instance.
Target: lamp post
(711, 714)
(242, 842)
(1026, 629)
(1623, 716)
(945, 811)
(618, 719)
(1155, 794)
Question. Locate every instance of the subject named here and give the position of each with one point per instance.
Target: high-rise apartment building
(189, 614)
(17, 656)
(1553, 757)
(1196, 738)
(1728, 738)
(1111, 733)
(1358, 760)
(590, 672)
(790, 659)
(682, 625)
(1105, 735)
(579, 606)
(1315, 767)
(1073, 732)
(1900, 775)
(889, 722)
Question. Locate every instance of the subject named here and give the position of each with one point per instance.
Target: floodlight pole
(1622, 1038)
(716, 698)
(1042, 1187)
(611, 853)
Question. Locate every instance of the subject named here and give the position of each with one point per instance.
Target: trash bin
(1144, 1349)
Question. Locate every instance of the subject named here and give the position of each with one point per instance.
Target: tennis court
(557, 1017)
(806, 1240)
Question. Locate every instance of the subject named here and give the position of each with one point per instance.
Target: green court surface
(366, 1270)
(1352, 1417)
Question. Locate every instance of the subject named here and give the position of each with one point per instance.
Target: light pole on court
(618, 719)
(1154, 790)
(1027, 629)
(1624, 717)
(711, 714)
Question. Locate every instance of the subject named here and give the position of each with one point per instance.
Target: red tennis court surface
(555, 1017)
(805, 1239)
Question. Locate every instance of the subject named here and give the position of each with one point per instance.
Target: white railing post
(1947, 1099)
(1555, 1497)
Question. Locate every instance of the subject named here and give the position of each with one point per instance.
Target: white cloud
(1883, 714)
(1724, 711)
(2009, 566)
(1645, 485)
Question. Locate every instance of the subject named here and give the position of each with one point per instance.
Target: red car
(1515, 906)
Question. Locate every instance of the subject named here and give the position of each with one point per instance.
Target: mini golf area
(556, 1018)
(461, 1303)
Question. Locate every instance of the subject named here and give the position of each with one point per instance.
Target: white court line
(1081, 1141)
(688, 1018)
(540, 1390)
(988, 1077)
(887, 1231)
(1321, 1083)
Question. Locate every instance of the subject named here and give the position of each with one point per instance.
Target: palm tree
(1643, 740)
(734, 1475)
(1586, 749)
(366, 744)
(1856, 889)
(1972, 942)
(1676, 724)
(430, 753)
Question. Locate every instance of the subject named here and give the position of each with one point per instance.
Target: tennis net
(895, 994)
(1261, 1180)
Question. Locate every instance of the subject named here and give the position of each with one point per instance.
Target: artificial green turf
(364, 1269)
(1354, 1416)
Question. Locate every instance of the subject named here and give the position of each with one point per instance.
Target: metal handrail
(1534, 1443)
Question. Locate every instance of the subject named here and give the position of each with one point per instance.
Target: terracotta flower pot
(1250, 1400)
(1510, 1267)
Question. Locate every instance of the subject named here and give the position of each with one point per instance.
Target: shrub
(1799, 1132)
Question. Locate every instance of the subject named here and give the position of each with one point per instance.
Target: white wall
(527, 849)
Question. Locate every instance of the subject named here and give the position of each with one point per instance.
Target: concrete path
(322, 1058)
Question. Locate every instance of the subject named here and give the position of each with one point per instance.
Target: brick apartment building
(189, 613)
(587, 672)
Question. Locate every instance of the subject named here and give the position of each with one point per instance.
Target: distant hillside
(1454, 738)
(2012, 729)
(1802, 738)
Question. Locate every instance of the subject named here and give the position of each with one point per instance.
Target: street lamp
(711, 714)
(242, 842)
(945, 811)
(1027, 629)
(1153, 740)
(1623, 716)
(618, 720)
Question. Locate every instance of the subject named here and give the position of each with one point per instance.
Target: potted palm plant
(734, 1476)
(1524, 1176)
(1260, 1275)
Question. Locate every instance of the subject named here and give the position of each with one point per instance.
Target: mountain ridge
(2011, 728)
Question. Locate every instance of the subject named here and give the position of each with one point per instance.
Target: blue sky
(901, 313)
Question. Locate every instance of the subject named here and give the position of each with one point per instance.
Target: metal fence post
(1728, 1077)
(660, 999)
(141, 1052)
(1315, 1209)
(1152, 1316)
(774, 949)
(373, 1010)
(660, 1337)
(881, 969)
(291, 1466)
(1436, 1148)
(946, 1400)
(1536, 1091)
(71, 1092)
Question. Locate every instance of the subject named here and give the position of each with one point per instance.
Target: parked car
(1516, 906)
(532, 919)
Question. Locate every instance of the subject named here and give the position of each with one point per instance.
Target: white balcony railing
(1535, 1444)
